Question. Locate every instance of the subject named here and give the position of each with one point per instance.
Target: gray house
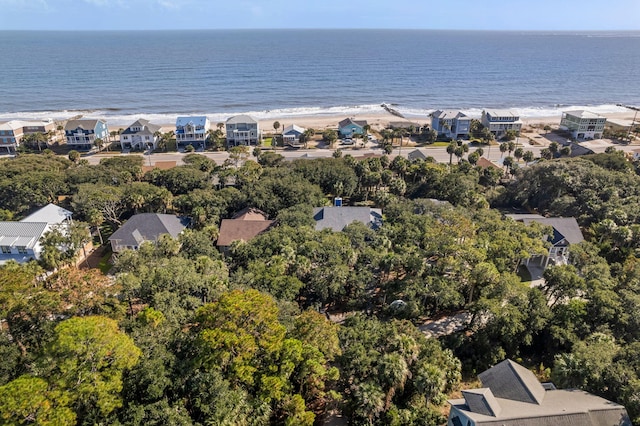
(242, 130)
(146, 227)
(337, 217)
(512, 396)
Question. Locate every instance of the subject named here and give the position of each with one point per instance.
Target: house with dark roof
(511, 395)
(20, 241)
(419, 154)
(140, 135)
(242, 130)
(243, 226)
(82, 134)
(146, 227)
(565, 231)
(337, 217)
(349, 127)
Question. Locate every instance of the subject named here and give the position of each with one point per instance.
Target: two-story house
(583, 124)
(192, 131)
(452, 124)
(242, 130)
(500, 121)
(82, 134)
(11, 134)
(349, 127)
(140, 135)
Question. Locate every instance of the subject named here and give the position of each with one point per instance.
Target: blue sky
(569, 15)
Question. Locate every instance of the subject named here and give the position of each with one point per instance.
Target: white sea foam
(122, 119)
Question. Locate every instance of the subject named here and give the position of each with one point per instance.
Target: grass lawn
(439, 144)
(267, 142)
(104, 264)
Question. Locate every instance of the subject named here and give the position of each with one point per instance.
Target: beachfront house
(511, 395)
(565, 232)
(242, 130)
(451, 124)
(82, 134)
(337, 216)
(192, 131)
(146, 227)
(20, 241)
(243, 226)
(349, 127)
(291, 135)
(583, 124)
(499, 121)
(12, 132)
(140, 135)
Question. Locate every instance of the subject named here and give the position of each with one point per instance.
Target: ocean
(158, 75)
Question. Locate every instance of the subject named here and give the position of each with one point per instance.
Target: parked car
(347, 141)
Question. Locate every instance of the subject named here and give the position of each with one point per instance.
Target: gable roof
(240, 119)
(196, 120)
(484, 163)
(336, 218)
(512, 381)
(449, 114)
(86, 124)
(417, 154)
(563, 228)
(146, 128)
(347, 121)
(51, 214)
(245, 225)
(21, 234)
(293, 128)
(583, 114)
(148, 227)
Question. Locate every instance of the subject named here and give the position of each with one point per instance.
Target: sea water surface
(122, 75)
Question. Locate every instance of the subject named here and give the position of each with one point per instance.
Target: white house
(192, 131)
(499, 121)
(20, 241)
(242, 130)
(583, 124)
(452, 124)
(140, 135)
(291, 134)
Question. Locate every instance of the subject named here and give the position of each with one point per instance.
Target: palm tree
(518, 153)
(565, 151)
(308, 134)
(511, 146)
(451, 149)
(546, 154)
(503, 148)
(528, 156)
(554, 148)
(95, 219)
(507, 163)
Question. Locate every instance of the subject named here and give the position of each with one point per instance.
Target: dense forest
(179, 334)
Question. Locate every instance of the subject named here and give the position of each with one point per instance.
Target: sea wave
(119, 117)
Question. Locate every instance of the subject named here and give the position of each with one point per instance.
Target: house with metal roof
(451, 124)
(337, 216)
(499, 121)
(140, 135)
(243, 226)
(20, 241)
(192, 131)
(291, 135)
(349, 127)
(242, 130)
(82, 134)
(583, 124)
(145, 227)
(511, 395)
(565, 231)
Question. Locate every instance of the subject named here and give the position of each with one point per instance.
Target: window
(22, 249)
(6, 249)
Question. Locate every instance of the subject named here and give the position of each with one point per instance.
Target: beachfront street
(438, 153)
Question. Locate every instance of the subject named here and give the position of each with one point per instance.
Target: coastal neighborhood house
(242, 130)
(140, 135)
(566, 231)
(82, 134)
(583, 124)
(452, 124)
(349, 127)
(192, 131)
(511, 395)
(146, 227)
(291, 135)
(20, 241)
(499, 121)
(243, 226)
(337, 216)
(12, 132)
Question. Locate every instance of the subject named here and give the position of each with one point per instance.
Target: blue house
(192, 131)
(349, 127)
(291, 134)
(82, 134)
